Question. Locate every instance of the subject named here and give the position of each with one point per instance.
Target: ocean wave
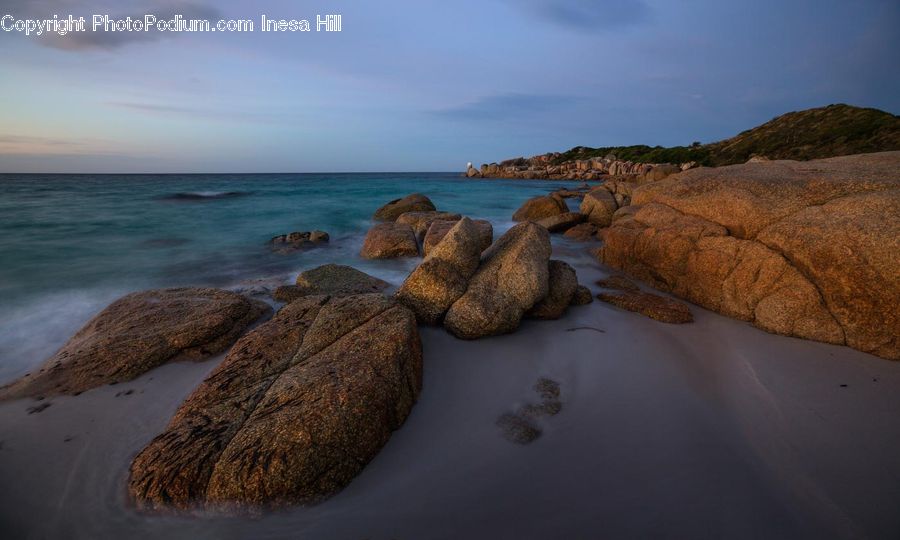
(204, 195)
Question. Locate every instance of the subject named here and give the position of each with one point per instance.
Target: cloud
(103, 40)
(222, 114)
(588, 15)
(508, 106)
(25, 145)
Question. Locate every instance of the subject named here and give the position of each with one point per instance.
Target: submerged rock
(444, 275)
(540, 207)
(619, 283)
(415, 202)
(654, 306)
(389, 241)
(563, 283)
(516, 428)
(439, 229)
(583, 232)
(139, 332)
(296, 241)
(512, 278)
(330, 279)
(296, 410)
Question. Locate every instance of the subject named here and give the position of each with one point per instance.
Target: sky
(425, 85)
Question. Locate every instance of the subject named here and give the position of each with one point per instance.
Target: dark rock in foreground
(297, 241)
(295, 411)
(139, 332)
(654, 306)
(330, 279)
(415, 202)
(582, 296)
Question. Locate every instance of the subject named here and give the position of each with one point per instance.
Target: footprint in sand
(520, 427)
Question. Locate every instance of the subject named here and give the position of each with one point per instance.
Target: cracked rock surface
(806, 249)
(295, 411)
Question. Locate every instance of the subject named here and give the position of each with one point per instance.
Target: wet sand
(707, 430)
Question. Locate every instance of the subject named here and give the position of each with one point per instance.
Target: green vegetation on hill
(835, 130)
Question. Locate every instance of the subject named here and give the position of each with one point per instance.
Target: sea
(71, 244)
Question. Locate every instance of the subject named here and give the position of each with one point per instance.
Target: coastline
(752, 427)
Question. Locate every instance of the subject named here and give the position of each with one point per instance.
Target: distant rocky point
(835, 130)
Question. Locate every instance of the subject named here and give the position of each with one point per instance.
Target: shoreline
(753, 426)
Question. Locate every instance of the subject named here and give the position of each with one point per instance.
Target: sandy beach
(715, 429)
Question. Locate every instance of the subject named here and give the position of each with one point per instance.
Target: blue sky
(424, 85)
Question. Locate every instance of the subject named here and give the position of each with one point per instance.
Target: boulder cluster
(549, 167)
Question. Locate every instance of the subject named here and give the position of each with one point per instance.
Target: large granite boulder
(415, 202)
(139, 332)
(599, 206)
(330, 279)
(389, 241)
(512, 278)
(807, 249)
(561, 222)
(541, 207)
(421, 221)
(444, 275)
(439, 229)
(295, 411)
(563, 282)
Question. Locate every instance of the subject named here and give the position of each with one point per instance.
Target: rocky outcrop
(553, 167)
(295, 411)
(139, 332)
(421, 221)
(390, 240)
(561, 222)
(297, 241)
(330, 279)
(806, 249)
(415, 202)
(599, 206)
(512, 278)
(444, 275)
(439, 229)
(654, 306)
(562, 286)
(540, 207)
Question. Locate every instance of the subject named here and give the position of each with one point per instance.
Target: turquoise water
(69, 244)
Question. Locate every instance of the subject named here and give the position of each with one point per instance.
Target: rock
(415, 202)
(582, 296)
(652, 305)
(330, 279)
(599, 206)
(298, 240)
(512, 278)
(472, 172)
(584, 232)
(439, 229)
(444, 275)
(806, 249)
(139, 332)
(619, 283)
(540, 207)
(561, 222)
(421, 221)
(562, 286)
(295, 411)
(388, 241)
